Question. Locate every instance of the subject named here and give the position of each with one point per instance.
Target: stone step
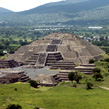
(63, 68)
(25, 80)
(88, 65)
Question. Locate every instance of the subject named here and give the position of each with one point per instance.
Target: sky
(21, 5)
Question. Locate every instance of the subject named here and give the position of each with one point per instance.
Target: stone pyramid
(62, 47)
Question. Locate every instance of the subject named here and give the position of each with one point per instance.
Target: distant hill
(68, 6)
(75, 12)
(3, 10)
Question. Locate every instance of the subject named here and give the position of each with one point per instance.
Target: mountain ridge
(4, 10)
(65, 12)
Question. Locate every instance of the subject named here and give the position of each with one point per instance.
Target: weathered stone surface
(45, 80)
(7, 77)
(8, 64)
(59, 46)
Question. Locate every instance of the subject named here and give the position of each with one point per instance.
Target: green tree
(71, 76)
(89, 85)
(77, 78)
(96, 70)
(97, 76)
(74, 76)
(33, 83)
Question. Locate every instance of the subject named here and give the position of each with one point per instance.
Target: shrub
(15, 89)
(89, 85)
(107, 59)
(33, 83)
(106, 74)
(91, 61)
(98, 76)
(14, 106)
(96, 70)
(73, 76)
(74, 85)
(77, 78)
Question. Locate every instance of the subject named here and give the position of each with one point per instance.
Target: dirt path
(104, 87)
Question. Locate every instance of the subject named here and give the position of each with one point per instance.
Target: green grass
(60, 97)
(14, 45)
(3, 57)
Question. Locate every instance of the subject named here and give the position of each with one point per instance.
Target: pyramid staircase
(53, 58)
(32, 59)
(55, 41)
(8, 64)
(85, 68)
(63, 65)
(41, 60)
(62, 76)
(51, 48)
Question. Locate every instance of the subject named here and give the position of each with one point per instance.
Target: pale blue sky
(21, 5)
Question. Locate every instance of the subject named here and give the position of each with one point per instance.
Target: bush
(106, 74)
(107, 59)
(91, 61)
(77, 78)
(15, 89)
(33, 83)
(74, 85)
(96, 70)
(89, 85)
(98, 76)
(73, 76)
(14, 106)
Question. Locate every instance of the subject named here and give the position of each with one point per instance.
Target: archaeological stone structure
(57, 50)
(7, 77)
(8, 64)
(63, 51)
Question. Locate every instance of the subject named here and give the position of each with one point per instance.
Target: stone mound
(45, 80)
(8, 64)
(57, 47)
(7, 77)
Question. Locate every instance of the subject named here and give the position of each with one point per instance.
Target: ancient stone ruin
(7, 77)
(62, 51)
(58, 50)
(8, 64)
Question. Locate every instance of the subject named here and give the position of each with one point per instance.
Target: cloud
(20, 5)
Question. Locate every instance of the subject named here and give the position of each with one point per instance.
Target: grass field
(59, 97)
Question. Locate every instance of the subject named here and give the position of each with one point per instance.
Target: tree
(77, 78)
(14, 106)
(89, 85)
(74, 76)
(96, 70)
(1, 53)
(71, 76)
(33, 83)
(97, 76)
(106, 59)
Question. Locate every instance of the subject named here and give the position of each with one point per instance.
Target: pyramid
(57, 47)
